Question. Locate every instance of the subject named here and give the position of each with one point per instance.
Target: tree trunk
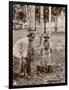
(55, 23)
(44, 27)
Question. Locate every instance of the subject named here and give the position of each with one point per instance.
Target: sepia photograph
(37, 44)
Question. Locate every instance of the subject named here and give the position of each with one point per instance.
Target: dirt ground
(58, 60)
(57, 76)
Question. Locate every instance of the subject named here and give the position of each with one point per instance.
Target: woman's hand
(23, 60)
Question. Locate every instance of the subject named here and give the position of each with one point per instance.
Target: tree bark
(55, 23)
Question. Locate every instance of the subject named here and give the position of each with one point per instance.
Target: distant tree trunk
(41, 24)
(35, 24)
(56, 23)
(44, 27)
(41, 20)
(50, 13)
(35, 18)
(32, 17)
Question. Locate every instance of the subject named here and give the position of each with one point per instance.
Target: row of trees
(19, 13)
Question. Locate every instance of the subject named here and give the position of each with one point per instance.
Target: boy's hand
(51, 50)
(41, 51)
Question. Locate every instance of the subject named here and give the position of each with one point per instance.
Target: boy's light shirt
(48, 50)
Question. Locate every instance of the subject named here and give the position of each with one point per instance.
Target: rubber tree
(46, 16)
(37, 15)
(56, 11)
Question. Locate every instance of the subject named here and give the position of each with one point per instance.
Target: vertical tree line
(19, 14)
(56, 11)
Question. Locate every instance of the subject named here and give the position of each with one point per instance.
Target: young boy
(46, 53)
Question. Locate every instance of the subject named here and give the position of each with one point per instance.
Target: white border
(4, 31)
